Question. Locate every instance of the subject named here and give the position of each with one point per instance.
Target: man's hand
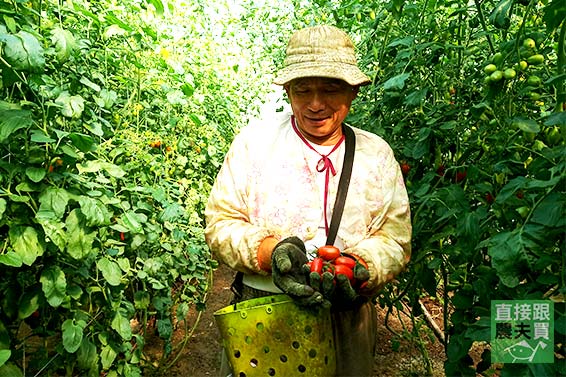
(287, 261)
(338, 290)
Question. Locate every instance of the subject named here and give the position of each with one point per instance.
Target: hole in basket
(283, 358)
(253, 363)
(269, 310)
(242, 374)
(265, 349)
(302, 368)
(259, 326)
(271, 372)
(308, 330)
(296, 345)
(248, 339)
(312, 353)
(237, 354)
(326, 360)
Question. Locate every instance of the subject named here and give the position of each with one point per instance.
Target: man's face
(320, 105)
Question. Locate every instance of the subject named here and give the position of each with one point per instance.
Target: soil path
(394, 357)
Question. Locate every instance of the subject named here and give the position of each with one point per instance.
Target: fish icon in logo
(523, 351)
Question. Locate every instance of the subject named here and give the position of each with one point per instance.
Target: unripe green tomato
(497, 58)
(521, 66)
(534, 96)
(523, 211)
(490, 68)
(496, 76)
(529, 136)
(529, 43)
(509, 73)
(534, 81)
(535, 59)
(553, 136)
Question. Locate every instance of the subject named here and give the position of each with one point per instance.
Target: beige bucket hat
(321, 51)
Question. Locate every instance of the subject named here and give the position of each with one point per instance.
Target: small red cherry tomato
(328, 252)
(345, 261)
(344, 270)
(316, 265)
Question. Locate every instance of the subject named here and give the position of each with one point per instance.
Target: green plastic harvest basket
(272, 336)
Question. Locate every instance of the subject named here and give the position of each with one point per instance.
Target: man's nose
(317, 101)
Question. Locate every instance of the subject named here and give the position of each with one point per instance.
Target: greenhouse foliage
(115, 117)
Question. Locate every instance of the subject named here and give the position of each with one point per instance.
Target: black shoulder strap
(343, 183)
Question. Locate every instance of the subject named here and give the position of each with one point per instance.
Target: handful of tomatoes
(329, 259)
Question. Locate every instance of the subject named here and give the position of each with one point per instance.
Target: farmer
(271, 205)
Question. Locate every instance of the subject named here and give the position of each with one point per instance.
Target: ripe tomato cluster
(329, 259)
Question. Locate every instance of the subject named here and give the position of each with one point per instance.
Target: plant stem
(484, 25)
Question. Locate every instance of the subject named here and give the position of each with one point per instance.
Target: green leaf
(556, 119)
(133, 221)
(85, 81)
(500, 17)
(4, 356)
(396, 82)
(25, 242)
(2, 207)
(510, 188)
(70, 106)
(96, 165)
(554, 14)
(508, 256)
(84, 143)
(11, 259)
(110, 271)
(95, 212)
(527, 125)
(550, 212)
(108, 355)
(54, 285)
(141, 299)
(23, 51)
(35, 174)
(54, 199)
(106, 99)
(122, 326)
(72, 334)
(28, 303)
(65, 43)
(10, 370)
(124, 264)
(12, 121)
(53, 228)
(38, 136)
(87, 357)
(79, 242)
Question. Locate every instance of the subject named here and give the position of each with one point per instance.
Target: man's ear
(286, 87)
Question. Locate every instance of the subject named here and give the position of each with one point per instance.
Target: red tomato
(344, 270)
(345, 261)
(328, 252)
(316, 265)
(405, 168)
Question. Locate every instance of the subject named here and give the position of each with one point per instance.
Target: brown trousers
(355, 337)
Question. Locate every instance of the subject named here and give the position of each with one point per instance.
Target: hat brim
(345, 72)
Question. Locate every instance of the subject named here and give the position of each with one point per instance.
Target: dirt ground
(395, 357)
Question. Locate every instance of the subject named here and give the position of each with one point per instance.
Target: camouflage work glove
(287, 261)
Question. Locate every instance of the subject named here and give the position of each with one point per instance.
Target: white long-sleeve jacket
(268, 186)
